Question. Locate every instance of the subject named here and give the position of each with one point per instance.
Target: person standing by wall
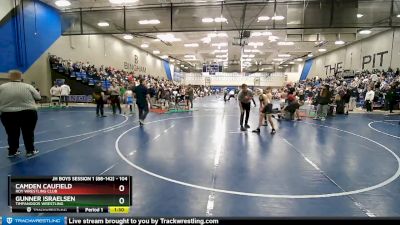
(323, 99)
(18, 113)
(55, 93)
(391, 98)
(98, 95)
(65, 91)
(346, 98)
(190, 96)
(142, 100)
(114, 97)
(245, 97)
(369, 99)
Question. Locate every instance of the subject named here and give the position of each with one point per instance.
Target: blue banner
(80, 98)
(28, 220)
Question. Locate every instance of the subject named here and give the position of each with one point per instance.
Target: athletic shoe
(97, 115)
(30, 154)
(103, 116)
(256, 131)
(315, 118)
(273, 131)
(243, 128)
(298, 119)
(14, 155)
(322, 119)
(247, 126)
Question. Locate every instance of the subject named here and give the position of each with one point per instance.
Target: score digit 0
(121, 188)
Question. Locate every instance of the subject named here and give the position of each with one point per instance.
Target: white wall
(362, 55)
(294, 73)
(97, 49)
(6, 6)
(274, 80)
(108, 51)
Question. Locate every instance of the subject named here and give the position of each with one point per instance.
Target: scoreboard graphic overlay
(77, 194)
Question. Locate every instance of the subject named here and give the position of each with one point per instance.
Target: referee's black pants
(143, 111)
(246, 109)
(14, 123)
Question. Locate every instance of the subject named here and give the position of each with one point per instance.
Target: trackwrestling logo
(33, 220)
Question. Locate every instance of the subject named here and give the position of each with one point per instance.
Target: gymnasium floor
(199, 164)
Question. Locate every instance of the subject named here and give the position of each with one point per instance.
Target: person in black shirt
(391, 98)
(98, 95)
(142, 100)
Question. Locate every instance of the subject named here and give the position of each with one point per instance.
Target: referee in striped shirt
(18, 113)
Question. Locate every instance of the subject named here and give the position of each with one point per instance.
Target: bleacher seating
(84, 78)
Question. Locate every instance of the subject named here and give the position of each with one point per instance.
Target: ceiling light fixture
(359, 15)
(146, 22)
(156, 52)
(190, 56)
(103, 24)
(207, 20)
(192, 45)
(365, 31)
(273, 38)
(299, 60)
(279, 60)
(284, 55)
(322, 50)
(285, 43)
(222, 44)
(255, 44)
(339, 42)
(206, 40)
(310, 55)
(263, 18)
(215, 34)
(278, 18)
(220, 19)
(144, 46)
(398, 16)
(168, 37)
(128, 37)
(164, 57)
(258, 34)
(220, 51)
(122, 1)
(252, 51)
(62, 3)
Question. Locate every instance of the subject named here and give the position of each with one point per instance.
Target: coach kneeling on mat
(18, 113)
